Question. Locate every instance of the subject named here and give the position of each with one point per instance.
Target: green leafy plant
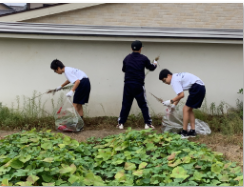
(128, 159)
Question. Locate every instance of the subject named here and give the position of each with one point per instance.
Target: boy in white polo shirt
(181, 82)
(81, 83)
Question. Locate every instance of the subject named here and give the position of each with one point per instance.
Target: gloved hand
(166, 103)
(58, 88)
(70, 93)
(155, 62)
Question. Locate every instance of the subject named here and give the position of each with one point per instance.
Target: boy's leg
(78, 108)
(192, 120)
(186, 116)
(142, 103)
(126, 104)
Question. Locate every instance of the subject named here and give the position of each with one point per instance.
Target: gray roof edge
(65, 29)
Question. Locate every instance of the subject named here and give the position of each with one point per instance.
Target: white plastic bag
(67, 118)
(173, 122)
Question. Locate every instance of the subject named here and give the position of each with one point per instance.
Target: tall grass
(33, 115)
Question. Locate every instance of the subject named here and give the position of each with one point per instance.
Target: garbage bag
(173, 122)
(67, 118)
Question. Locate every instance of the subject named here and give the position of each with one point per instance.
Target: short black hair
(164, 73)
(56, 63)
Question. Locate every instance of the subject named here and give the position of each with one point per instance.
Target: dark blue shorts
(82, 92)
(196, 96)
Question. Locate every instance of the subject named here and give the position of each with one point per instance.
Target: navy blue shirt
(134, 66)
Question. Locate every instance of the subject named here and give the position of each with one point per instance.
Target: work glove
(70, 93)
(166, 103)
(155, 62)
(58, 88)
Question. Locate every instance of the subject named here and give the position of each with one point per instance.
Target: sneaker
(147, 126)
(192, 133)
(183, 134)
(120, 126)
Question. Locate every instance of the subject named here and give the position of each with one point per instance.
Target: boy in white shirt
(81, 83)
(181, 82)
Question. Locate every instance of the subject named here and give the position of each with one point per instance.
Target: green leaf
(138, 173)
(214, 182)
(216, 168)
(16, 164)
(46, 176)
(67, 169)
(224, 184)
(119, 161)
(32, 179)
(176, 163)
(47, 146)
(48, 184)
(73, 178)
(120, 175)
(59, 182)
(179, 172)
(61, 145)
(142, 165)
(89, 179)
(74, 143)
(224, 177)
(240, 179)
(48, 160)
(130, 166)
(24, 159)
(24, 183)
(5, 182)
(186, 159)
(197, 175)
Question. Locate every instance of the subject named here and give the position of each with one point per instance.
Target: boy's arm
(77, 82)
(174, 101)
(178, 97)
(65, 83)
(123, 68)
(150, 66)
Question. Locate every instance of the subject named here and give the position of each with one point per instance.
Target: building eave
(76, 31)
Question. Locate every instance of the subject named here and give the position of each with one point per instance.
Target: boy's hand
(167, 103)
(155, 62)
(70, 93)
(58, 88)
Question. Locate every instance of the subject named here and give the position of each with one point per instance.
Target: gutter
(59, 30)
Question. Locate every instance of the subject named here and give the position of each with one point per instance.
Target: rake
(53, 91)
(159, 99)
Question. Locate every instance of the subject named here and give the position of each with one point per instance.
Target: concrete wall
(25, 67)
(184, 15)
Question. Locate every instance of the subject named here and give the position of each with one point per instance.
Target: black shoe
(192, 133)
(183, 134)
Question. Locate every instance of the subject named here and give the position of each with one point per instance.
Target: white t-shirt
(73, 74)
(183, 81)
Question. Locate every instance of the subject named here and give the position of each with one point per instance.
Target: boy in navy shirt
(181, 82)
(134, 66)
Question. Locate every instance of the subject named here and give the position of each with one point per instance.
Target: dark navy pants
(138, 92)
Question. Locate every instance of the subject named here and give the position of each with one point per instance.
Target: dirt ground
(217, 142)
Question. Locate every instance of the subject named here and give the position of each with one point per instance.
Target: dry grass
(230, 145)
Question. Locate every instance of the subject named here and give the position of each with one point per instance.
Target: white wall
(25, 67)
